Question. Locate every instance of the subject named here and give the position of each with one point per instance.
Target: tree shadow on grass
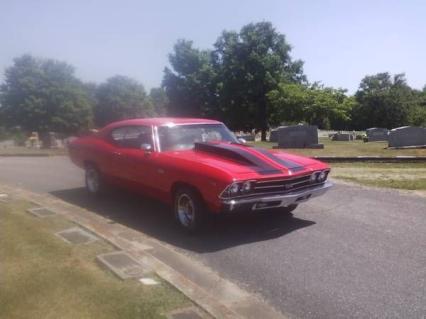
(155, 219)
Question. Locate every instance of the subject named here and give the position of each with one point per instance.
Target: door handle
(117, 153)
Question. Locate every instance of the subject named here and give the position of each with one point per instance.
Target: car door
(137, 159)
(113, 157)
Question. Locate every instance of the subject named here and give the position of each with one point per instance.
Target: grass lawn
(44, 277)
(353, 148)
(25, 151)
(409, 176)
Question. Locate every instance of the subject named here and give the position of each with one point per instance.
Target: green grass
(410, 176)
(419, 184)
(352, 148)
(25, 151)
(44, 277)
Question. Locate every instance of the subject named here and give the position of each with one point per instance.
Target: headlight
(237, 188)
(319, 177)
(246, 187)
(234, 189)
(322, 176)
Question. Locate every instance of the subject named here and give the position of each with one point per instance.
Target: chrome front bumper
(274, 201)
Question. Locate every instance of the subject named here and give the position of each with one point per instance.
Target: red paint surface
(156, 173)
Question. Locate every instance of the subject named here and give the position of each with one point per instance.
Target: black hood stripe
(238, 154)
(293, 166)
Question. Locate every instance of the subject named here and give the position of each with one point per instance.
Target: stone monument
(407, 136)
(273, 135)
(339, 136)
(375, 134)
(298, 136)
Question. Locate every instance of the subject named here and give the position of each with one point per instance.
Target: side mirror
(146, 147)
(242, 140)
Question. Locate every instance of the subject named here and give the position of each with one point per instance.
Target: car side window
(118, 134)
(132, 136)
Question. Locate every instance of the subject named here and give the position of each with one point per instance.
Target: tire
(93, 181)
(189, 210)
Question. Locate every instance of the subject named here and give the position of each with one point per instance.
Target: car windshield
(182, 137)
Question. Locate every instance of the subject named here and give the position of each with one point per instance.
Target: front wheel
(94, 181)
(189, 209)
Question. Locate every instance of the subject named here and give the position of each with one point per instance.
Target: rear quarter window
(132, 136)
(118, 134)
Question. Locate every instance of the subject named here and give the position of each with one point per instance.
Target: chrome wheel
(92, 180)
(185, 210)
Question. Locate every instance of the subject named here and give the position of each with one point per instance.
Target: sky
(339, 41)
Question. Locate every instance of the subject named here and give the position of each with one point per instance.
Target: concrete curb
(378, 159)
(406, 147)
(28, 155)
(329, 159)
(217, 296)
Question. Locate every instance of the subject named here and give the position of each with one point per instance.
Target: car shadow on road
(155, 219)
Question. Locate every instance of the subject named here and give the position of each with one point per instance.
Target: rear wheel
(94, 181)
(189, 209)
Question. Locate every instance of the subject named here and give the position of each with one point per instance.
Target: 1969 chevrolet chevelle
(196, 165)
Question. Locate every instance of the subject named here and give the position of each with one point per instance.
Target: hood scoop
(238, 154)
(290, 165)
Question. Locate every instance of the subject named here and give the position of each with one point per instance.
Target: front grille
(282, 185)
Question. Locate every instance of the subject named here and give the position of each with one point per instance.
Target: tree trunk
(263, 117)
(263, 135)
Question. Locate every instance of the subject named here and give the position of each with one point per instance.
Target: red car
(196, 165)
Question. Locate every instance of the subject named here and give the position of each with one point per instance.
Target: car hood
(248, 162)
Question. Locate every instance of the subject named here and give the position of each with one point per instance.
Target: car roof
(159, 121)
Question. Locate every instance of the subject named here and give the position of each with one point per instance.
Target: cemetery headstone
(298, 136)
(343, 137)
(247, 136)
(377, 134)
(273, 135)
(34, 140)
(407, 136)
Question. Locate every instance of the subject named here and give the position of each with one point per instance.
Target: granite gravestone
(407, 136)
(298, 136)
(375, 134)
(343, 137)
(247, 136)
(53, 141)
(273, 136)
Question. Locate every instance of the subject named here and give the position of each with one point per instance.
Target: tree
(231, 81)
(314, 104)
(329, 108)
(44, 95)
(383, 101)
(159, 100)
(288, 103)
(191, 86)
(250, 64)
(91, 88)
(417, 115)
(120, 98)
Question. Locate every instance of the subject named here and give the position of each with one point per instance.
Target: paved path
(353, 253)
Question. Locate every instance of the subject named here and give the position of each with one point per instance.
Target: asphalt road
(353, 253)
